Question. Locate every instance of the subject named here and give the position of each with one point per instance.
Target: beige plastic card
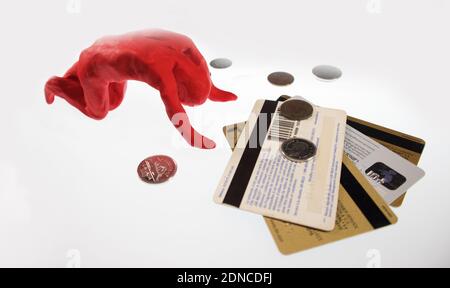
(259, 179)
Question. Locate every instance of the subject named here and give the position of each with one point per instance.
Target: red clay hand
(165, 60)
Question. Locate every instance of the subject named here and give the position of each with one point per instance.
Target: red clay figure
(167, 61)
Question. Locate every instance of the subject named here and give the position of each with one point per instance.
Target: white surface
(68, 182)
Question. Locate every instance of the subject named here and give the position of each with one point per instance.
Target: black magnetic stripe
(367, 206)
(387, 137)
(247, 163)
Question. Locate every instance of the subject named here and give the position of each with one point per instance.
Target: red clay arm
(178, 116)
(167, 61)
(218, 95)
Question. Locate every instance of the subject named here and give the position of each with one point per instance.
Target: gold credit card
(360, 209)
(407, 146)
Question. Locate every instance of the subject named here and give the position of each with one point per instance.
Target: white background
(68, 184)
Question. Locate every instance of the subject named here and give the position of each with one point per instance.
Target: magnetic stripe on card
(367, 206)
(244, 171)
(387, 137)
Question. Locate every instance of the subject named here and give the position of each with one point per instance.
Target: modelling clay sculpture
(167, 61)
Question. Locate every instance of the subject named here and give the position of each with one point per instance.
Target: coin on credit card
(296, 109)
(298, 149)
(157, 169)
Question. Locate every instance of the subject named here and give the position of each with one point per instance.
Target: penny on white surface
(280, 78)
(157, 169)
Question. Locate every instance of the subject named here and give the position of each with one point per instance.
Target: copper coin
(296, 109)
(280, 78)
(157, 169)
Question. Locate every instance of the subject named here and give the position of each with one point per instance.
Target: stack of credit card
(294, 181)
(357, 170)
